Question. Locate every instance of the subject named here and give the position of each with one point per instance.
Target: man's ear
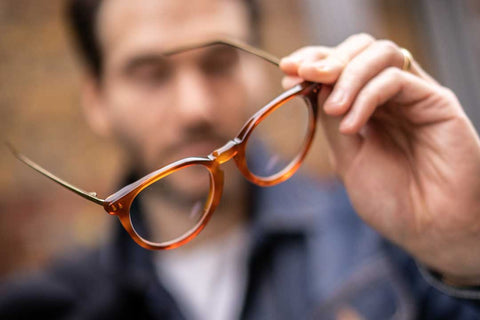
(95, 107)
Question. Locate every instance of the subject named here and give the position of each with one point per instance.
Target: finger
(367, 64)
(329, 69)
(290, 63)
(290, 81)
(343, 148)
(392, 85)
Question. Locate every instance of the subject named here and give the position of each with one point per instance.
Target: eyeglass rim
(123, 211)
(306, 90)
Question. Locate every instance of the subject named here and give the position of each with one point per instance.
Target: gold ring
(407, 59)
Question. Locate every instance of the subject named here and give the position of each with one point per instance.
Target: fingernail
(347, 123)
(338, 97)
(336, 102)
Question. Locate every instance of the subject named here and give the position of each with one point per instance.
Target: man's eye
(151, 75)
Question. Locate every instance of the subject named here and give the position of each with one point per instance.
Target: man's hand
(407, 153)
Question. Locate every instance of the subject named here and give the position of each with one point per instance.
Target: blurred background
(40, 105)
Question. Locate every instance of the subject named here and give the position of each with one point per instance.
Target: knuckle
(392, 73)
(364, 37)
(368, 94)
(448, 94)
(359, 39)
(310, 52)
(353, 71)
(388, 46)
(449, 98)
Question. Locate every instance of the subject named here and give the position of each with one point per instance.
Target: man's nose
(195, 102)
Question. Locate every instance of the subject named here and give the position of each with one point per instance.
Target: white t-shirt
(209, 281)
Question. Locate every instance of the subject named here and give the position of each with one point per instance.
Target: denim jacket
(327, 260)
(311, 257)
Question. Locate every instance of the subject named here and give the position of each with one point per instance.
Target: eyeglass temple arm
(91, 196)
(232, 43)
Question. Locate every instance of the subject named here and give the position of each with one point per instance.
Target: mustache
(195, 135)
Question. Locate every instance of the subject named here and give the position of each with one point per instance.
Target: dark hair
(82, 18)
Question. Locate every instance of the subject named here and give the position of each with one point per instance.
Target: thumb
(342, 147)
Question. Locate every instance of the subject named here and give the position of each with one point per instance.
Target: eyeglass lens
(276, 142)
(172, 206)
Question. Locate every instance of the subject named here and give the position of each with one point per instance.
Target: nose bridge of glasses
(226, 152)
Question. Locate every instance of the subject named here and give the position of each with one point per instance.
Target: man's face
(163, 109)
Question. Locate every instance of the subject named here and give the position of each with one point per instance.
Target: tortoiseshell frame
(120, 202)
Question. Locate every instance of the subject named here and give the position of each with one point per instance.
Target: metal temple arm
(91, 196)
(232, 43)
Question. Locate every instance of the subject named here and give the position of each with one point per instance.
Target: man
(405, 151)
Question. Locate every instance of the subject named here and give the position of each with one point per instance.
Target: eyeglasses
(182, 196)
